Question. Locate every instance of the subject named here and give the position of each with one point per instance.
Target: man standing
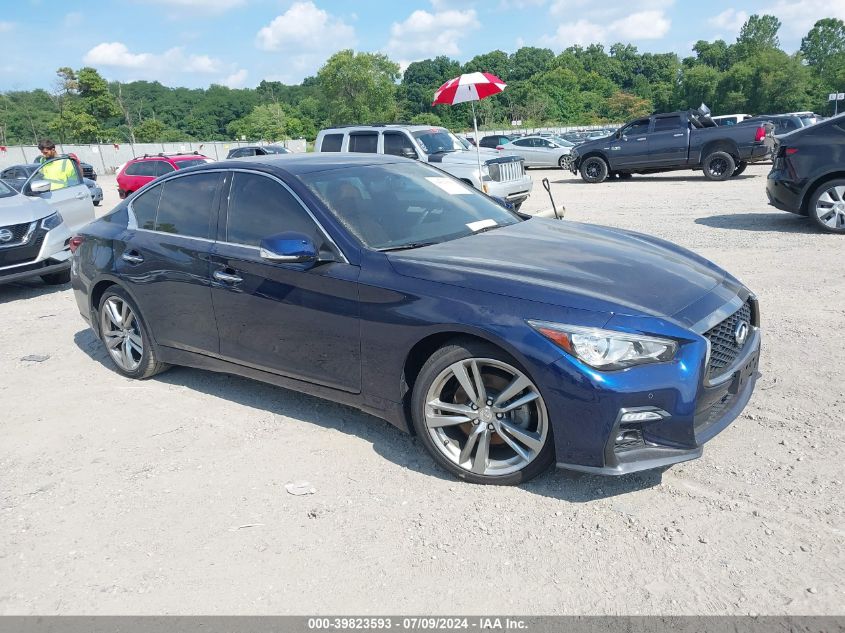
(59, 172)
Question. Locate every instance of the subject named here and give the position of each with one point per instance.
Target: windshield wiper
(404, 247)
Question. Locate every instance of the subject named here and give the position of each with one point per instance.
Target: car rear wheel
(57, 279)
(481, 416)
(718, 166)
(127, 339)
(564, 162)
(740, 167)
(594, 169)
(827, 206)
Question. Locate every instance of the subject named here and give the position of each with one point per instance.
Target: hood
(468, 157)
(19, 209)
(569, 264)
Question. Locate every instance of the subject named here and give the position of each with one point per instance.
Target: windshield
(5, 190)
(562, 141)
(193, 162)
(404, 205)
(438, 140)
(276, 150)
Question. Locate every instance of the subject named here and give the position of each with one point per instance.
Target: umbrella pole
(477, 150)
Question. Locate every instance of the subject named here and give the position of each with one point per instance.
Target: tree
(265, 122)
(823, 48)
(529, 61)
(760, 32)
(718, 54)
(495, 62)
(359, 87)
(699, 85)
(623, 106)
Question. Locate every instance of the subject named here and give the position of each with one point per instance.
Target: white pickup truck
(501, 175)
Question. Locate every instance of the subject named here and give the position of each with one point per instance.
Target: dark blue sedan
(506, 343)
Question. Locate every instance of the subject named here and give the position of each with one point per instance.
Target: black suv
(495, 140)
(808, 174)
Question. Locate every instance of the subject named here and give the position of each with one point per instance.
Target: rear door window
(145, 206)
(667, 123)
(163, 167)
(260, 207)
(364, 142)
(332, 143)
(188, 205)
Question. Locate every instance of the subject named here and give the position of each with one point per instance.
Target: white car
(37, 221)
(539, 151)
(501, 175)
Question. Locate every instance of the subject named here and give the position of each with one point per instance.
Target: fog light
(641, 416)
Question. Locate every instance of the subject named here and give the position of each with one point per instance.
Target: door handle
(219, 275)
(641, 138)
(132, 257)
(679, 134)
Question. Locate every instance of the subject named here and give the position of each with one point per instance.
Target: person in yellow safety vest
(59, 172)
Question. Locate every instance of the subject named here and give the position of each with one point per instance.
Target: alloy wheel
(718, 166)
(486, 416)
(122, 333)
(830, 207)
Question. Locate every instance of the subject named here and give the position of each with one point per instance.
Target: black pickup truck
(676, 140)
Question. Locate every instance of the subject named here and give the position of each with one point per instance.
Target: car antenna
(548, 189)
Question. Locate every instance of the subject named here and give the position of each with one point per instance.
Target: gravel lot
(168, 496)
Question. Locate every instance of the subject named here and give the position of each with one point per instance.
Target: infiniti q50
(506, 343)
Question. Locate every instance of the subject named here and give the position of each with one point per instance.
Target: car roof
(169, 157)
(297, 164)
(386, 126)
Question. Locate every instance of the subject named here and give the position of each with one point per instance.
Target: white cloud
(72, 20)
(607, 22)
(304, 27)
(236, 79)
(799, 17)
(452, 5)
(730, 20)
(425, 34)
(5, 27)
(202, 6)
(174, 60)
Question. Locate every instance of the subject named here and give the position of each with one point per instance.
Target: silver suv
(501, 175)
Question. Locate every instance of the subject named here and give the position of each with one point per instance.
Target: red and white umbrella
(470, 87)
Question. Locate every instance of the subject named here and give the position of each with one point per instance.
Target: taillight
(75, 242)
(791, 150)
(761, 134)
(500, 147)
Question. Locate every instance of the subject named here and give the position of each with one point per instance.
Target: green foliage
(359, 87)
(426, 118)
(823, 49)
(759, 33)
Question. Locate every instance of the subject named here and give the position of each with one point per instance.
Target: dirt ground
(168, 496)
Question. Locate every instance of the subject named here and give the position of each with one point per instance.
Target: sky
(238, 43)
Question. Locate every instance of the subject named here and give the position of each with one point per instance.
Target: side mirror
(618, 135)
(288, 248)
(407, 152)
(39, 186)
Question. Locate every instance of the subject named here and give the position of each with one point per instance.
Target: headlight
(607, 349)
(52, 221)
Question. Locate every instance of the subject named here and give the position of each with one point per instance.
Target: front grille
(20, 234)
(24, 253)
(723, 347)
(506, 171)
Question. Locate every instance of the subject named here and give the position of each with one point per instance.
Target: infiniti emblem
(5, 235)
(741, 333)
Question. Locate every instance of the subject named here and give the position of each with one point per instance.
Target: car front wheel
(827, 206)
(594, 169)
(481, 416)
(126, 337)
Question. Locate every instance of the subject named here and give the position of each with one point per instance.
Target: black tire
(97, 203)
(594, 169)
(718, 166)
(148, 364)
(816, 212)
(57, 279)
(495, 374)
(739, 168)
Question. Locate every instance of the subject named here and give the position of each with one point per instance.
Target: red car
(139, 171)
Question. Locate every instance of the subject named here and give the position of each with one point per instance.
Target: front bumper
(587, 408)
(514, 191)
